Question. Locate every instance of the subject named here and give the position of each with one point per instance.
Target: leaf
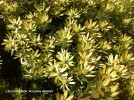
(113, 73)
(84, 71)
(116, 57)
(70, 97)
(109, 70)
(114, 79)
(98, 58)
(117, 67)
(110, 58)
(91, 68)
(65, 93)
(58, 96)
(102, 93)
(63, 69)
(125, 70)
(106, 82)
(114, 88)
(104, 68)
(88, 75)
(71, 82)
(114, 94)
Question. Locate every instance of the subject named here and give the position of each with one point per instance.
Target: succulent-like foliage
(84, 46)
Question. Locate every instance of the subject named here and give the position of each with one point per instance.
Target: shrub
(84, 46)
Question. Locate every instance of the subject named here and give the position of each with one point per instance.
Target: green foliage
(84, 46)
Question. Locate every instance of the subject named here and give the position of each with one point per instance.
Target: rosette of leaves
(111, 73)
(58, 70)
(23, 41)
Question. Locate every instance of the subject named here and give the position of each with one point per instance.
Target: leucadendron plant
(84, 46)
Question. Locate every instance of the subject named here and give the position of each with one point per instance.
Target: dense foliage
(84, 48)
